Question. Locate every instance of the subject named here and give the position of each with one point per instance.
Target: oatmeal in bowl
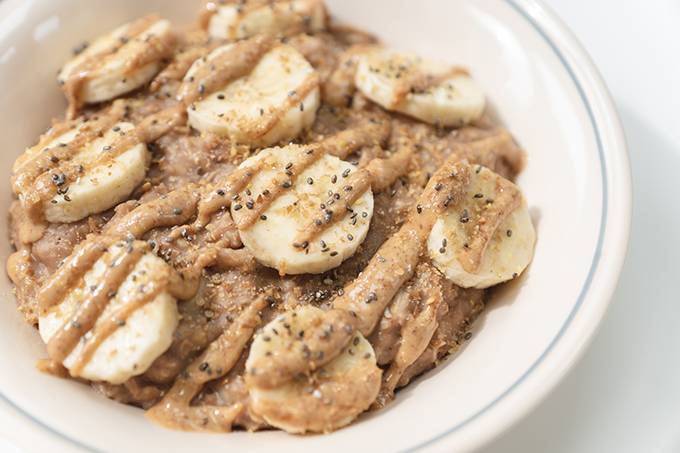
(262, 220)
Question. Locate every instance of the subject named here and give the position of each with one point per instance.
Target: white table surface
(624, 396)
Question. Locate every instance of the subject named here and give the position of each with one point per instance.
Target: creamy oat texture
(231, 244)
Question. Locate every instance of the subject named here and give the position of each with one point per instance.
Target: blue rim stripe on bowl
(595, 262)
(598, 251)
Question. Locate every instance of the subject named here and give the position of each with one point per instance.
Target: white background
(624, 396)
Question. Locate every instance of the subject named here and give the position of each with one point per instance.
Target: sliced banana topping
(118, 62)
(274, 103)
(486, 239)
(288, 188)
(277, 18)
(116, 319)
(85, 176)
(328, 399)
(431, 92)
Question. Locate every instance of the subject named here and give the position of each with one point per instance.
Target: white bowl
(547, 92)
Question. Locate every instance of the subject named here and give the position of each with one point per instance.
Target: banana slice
(426, 90)
(102, 182)
(118, 62)
(274, 103)
(290, 187)
(135, 327)
(234, 22)
(488, 238)
(331, 397)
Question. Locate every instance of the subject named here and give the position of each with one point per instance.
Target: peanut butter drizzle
(208, 11)
(416, 335)
(364, 300)
(335, 210)
(181, 285)
(280, 183)
(157, 125)
(49, 366)
(33, 178)
(68, 275)
(86, 315)
(274, 116)
(179, 67)
(19, 265)
(160, 48)
(340, 145)
(238, 62)
(385, 172)
(378, 175)
(72, 89)
(339, 89)
(396, 260)
(240, 259)
(31, 229)
(481, 150)
(149, 130)
(235, 63)
(245, 7)
(80, 74)
(56, 130)
(484, 220)
(175, 410)
(104, 329)
(224, 254)
(184, 284)
(332, 331)
(374, 132)
(175, 208)
(222, 196)
(224, 229)
(351, 35)
(419, 83)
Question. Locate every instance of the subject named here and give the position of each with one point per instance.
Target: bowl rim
(614, 235)
(564, 351)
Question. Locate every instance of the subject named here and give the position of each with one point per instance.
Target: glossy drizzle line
(379, 175)
(78, 76)
(420, 83)
(86, 315)
(175, 410)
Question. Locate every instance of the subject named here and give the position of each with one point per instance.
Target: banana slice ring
(118, 62)
(332, 396)
(117, 319)
(431, 92)
(234, 22)
(85, 172)
(272, 104)
(487, 239)
(290, 187)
